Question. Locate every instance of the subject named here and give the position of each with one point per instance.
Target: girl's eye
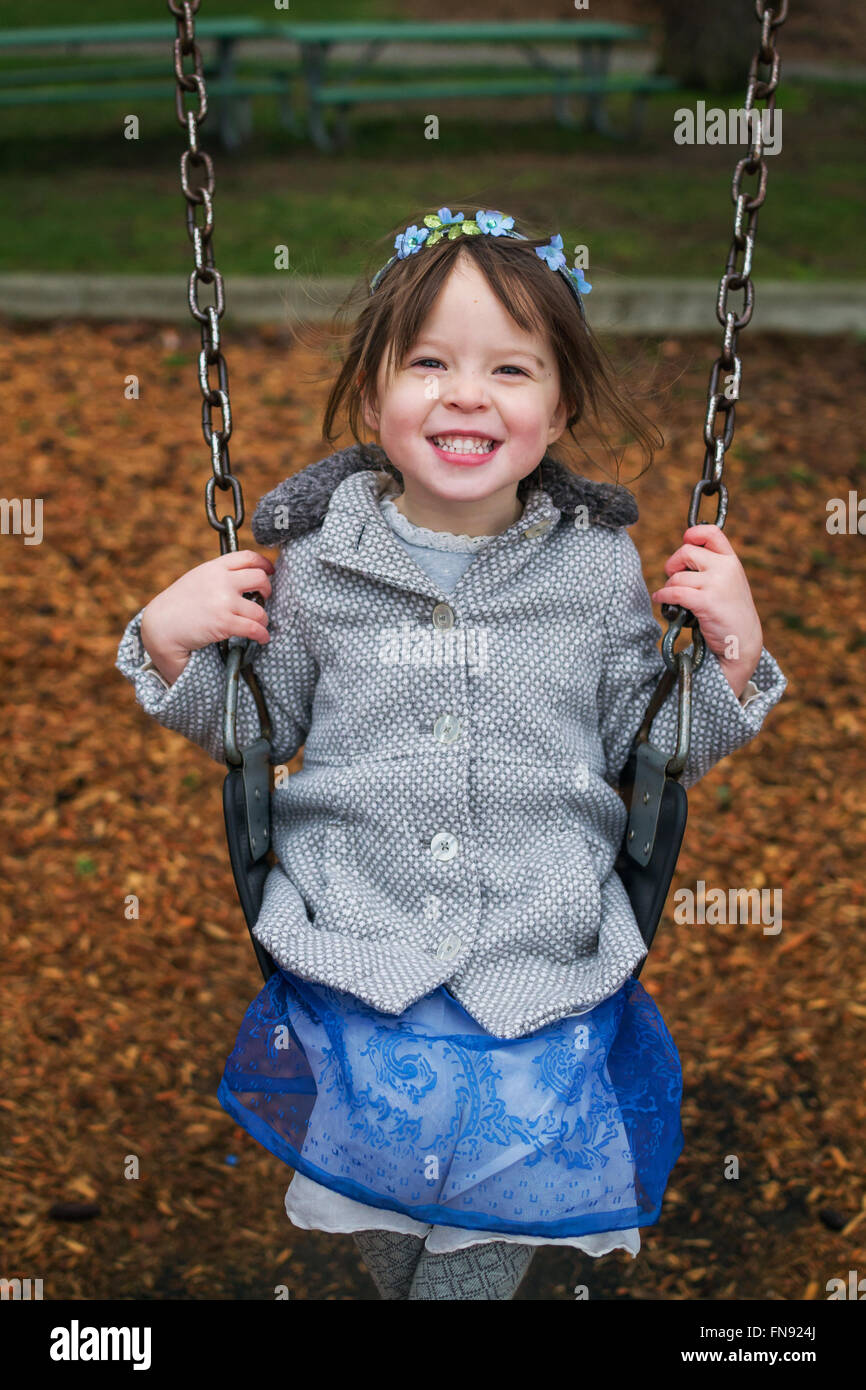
(424, 361)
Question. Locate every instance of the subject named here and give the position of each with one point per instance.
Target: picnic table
(123, 79)
(321, 88)
(595, 42)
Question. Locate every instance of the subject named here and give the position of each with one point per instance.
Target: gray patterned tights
(401, 1268)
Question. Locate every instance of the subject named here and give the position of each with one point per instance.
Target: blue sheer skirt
(571, 1130)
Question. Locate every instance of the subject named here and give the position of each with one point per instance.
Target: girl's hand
(711, 582)
(207, 605)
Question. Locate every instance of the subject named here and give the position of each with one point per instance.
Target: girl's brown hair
(536, 298)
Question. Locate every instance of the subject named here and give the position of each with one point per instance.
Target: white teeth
(459, 444)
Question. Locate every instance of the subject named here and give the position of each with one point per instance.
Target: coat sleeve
(193, 704)
(633, 667)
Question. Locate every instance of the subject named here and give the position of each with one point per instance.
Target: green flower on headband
(442, 224)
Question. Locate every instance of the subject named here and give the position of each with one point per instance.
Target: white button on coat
(450, 947)
(443, 845)
(447, 728)
(443, 616)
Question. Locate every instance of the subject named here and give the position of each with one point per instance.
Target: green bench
(232, 94)
(95, 72)
(343, 98)
(75, 79)
(594, 42)
(323, 90)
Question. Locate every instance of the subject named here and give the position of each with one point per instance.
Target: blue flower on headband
(577, 275)
(444, 215)
(493, 223)
(552, 253)
(410, 241)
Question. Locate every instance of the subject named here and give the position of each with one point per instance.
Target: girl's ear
(558, 422)
(371, 417)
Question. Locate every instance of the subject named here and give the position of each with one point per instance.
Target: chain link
(735, 278)
(194, 161)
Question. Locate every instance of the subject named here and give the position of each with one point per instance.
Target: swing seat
(659, 807)
(250, 869)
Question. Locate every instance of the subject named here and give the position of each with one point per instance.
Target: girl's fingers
(693, 599)
(685, 579)
(241, 625)
(708, 535)
(252, 579)
(248, 608)
(246, 559)
(694, 555)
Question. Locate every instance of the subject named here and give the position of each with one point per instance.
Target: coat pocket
(345, 904)
(334, 849)
(364, 895)
(544, 899)
(585, 917)
(574, 918)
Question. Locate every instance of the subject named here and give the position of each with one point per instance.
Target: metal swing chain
(237, 652)
(683, 664)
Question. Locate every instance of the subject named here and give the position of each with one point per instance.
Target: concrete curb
(656, 306)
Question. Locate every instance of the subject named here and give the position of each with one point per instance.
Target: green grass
(79, 197)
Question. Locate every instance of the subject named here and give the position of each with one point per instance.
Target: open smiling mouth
(464, 447)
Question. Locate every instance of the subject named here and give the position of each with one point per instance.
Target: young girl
(454, 1055)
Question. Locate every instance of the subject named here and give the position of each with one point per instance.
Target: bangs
(413, 302)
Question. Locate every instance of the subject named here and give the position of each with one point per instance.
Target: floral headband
(441, 224)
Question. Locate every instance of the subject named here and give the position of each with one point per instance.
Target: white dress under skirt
(314, 1207)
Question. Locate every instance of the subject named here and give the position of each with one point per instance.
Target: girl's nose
(466, 391)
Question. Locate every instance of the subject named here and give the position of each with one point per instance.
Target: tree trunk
(708, 47)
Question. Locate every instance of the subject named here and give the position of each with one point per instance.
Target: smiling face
(470, 411)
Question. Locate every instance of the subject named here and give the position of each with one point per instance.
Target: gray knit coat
(455, 820)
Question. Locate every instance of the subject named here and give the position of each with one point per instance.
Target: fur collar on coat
(306, 495)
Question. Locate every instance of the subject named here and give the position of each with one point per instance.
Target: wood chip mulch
(122, 1177)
